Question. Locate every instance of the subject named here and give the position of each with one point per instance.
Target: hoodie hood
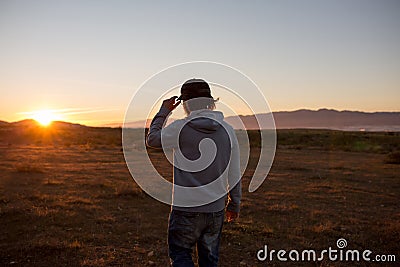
(205, 120)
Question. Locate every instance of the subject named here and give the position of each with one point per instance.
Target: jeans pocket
(183, 229)
(218, 220)
(189, 219)
(219, 213)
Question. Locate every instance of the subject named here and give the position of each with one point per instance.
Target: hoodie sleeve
(169, 133)
(235, 190)
(154, 135)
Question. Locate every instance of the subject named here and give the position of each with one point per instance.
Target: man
(197, 215)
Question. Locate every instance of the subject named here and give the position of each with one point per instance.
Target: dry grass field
(72, 201)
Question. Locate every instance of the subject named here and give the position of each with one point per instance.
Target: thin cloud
(71, 111)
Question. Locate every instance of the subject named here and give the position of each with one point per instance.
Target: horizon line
(138, 120)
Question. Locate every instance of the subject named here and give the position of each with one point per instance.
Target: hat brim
(183, 98)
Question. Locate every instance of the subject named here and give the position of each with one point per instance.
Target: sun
(44, 117)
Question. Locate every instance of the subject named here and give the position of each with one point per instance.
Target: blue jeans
(187, 229)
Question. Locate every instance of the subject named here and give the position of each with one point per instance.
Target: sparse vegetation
(393, 157)
(372, 142)
(29, 168)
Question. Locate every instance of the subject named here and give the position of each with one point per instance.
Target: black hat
(194, 88)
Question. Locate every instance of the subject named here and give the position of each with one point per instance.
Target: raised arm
(154, 135)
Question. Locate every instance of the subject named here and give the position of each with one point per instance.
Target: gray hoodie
(187, 138)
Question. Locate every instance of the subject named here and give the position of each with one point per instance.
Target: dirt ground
(77, 205)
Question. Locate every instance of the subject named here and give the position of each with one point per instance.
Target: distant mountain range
(328, 119)
(303, 118)
(318, 119)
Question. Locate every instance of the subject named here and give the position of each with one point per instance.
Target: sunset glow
(45, 117)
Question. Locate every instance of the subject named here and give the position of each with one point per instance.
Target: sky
(85, 59)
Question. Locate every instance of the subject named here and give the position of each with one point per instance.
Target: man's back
(206, 173)
(223, 171)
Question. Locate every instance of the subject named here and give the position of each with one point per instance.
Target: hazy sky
(88, 57)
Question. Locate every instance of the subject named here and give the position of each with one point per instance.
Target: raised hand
(170, 103)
